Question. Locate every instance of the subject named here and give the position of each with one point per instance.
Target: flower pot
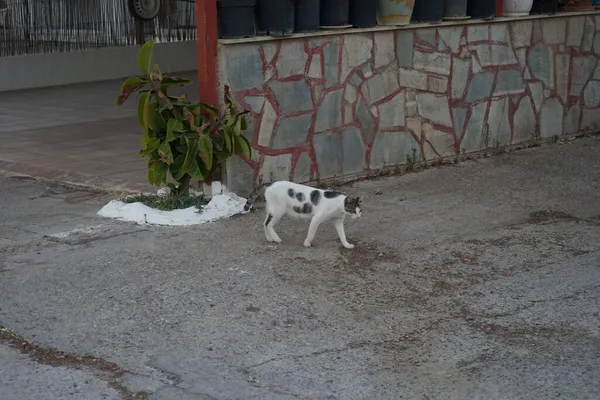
(481, 9)
(394, 12)
(578, 5)
(307, 15)
(455, 9)
(335, 13)
(428, 11)
(275, 17)
(363, 13)
(544, 7)
(235, 18)
(517, 8)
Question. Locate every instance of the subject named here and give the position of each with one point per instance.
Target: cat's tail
(252, 196)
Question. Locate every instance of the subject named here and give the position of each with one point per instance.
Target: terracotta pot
(517, 8)
(395, 12)
(578, 5)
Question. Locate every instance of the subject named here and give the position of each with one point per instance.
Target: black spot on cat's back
(315, 196)
(300, 196)
(329, 194)
(291, 193)
(305, 209)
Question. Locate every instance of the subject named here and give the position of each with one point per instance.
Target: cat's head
(352, 206)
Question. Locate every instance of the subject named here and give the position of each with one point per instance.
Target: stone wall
(339, 105)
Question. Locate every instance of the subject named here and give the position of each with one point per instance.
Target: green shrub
(184, 139)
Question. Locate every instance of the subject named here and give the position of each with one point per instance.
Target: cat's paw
(306, 243)
(349, 246)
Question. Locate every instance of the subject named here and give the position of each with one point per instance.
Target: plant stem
(184, 185)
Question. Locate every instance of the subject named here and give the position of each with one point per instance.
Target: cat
(284, 197)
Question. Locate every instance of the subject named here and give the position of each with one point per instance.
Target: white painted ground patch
(220, 206)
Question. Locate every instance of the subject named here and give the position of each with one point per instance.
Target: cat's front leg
(312, 230)
(339, 227)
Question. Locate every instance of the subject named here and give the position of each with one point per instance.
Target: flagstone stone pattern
(333, 106)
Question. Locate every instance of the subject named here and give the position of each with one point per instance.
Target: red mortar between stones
(421, 47)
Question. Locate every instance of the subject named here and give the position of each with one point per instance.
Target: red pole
(206, 27)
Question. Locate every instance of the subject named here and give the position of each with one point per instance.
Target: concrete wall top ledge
(562, 14)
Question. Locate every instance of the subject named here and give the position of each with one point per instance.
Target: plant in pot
(481, 9)
(395, 12)
(579, 5)
(455, 9)
(275, 17)
(363, 14)
(235, 18)
(181, 139)
(517, 8)
(428, 11)
(544, 6)
(307, 15)
(335, 13)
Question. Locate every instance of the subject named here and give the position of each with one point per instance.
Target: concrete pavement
(476, 281)
(75, 134)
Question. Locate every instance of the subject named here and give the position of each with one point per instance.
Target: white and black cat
(284, 197)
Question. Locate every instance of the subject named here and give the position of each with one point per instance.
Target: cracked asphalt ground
(475, 281)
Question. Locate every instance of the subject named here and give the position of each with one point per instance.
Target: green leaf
(236, 127)
(205, 147)
(243, 124)
(173, 81)
(190, 155)
(144, 58)
(143, 103)
(177, 167)
(228, 141)
(145, 137)
(195, 172)
(157, 173)
(150, 145)
(212, 110)
(189, 116)
(164, 150)
(128, 87)
(153, 118)
(164, 101)
(173, 126)
(242, 146)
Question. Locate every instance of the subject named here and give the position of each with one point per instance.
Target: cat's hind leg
(270, 222)
(339, 227)
(268, 219)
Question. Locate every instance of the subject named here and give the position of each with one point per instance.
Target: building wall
(339, 105)
(64, 68)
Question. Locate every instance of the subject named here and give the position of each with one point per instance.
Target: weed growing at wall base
(182, 139)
